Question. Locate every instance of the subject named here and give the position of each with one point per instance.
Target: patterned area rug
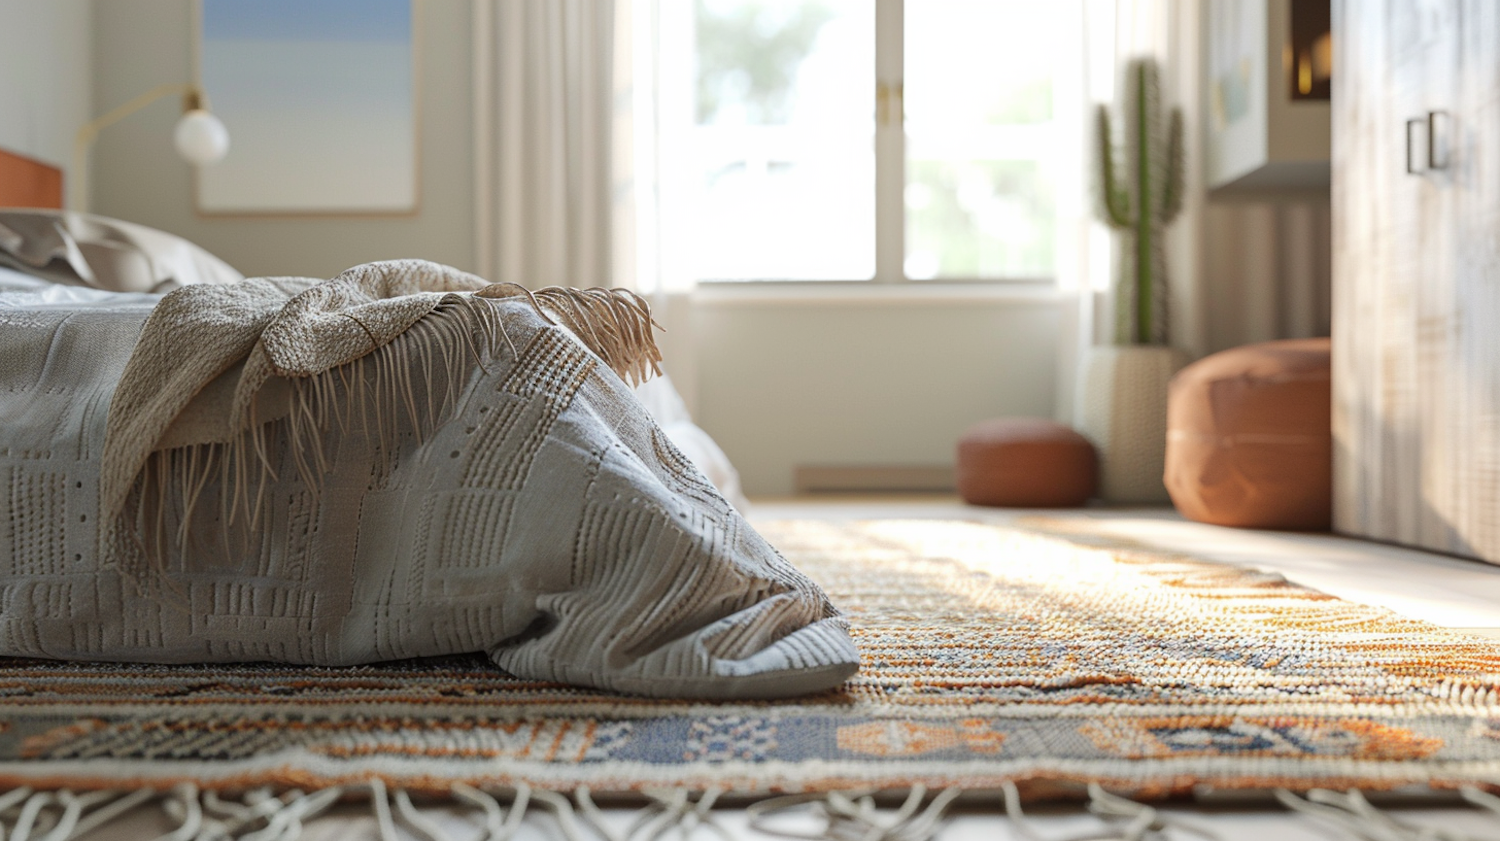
(990, 654)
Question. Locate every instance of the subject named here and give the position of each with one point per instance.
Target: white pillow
(82, 249)
(666, 406)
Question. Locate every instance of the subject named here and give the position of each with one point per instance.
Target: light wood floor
(1444, 590)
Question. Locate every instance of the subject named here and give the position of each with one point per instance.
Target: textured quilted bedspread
(403, 461)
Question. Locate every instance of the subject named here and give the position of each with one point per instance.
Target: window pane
(782, 140)
(979, 99)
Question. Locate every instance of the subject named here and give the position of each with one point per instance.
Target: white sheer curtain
(1266, 270)
(1114, 32)
(654, 55)
(643, 157)
(544, 89)
(565, 160)
(636, 203)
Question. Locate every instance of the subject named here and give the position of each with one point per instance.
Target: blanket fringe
(403, 389)
(616, 324)
(259, 815)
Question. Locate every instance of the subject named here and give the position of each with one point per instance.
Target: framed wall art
(1268, 65)
(319, 97)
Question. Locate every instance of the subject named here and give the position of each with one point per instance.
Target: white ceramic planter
(1122, 408)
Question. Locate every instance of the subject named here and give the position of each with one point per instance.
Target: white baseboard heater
(892, 478)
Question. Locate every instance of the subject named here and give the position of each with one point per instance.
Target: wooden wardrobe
(1416, 273)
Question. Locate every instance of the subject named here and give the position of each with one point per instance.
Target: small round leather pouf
(1025, 463)
(1249, 441)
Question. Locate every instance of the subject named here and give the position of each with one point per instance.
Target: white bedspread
(402, 462)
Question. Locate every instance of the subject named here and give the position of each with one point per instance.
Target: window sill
(869, 293)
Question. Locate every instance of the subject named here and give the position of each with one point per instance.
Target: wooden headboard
(25, 182)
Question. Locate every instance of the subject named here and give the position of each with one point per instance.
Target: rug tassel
(72, 807)
(31, 813)
(668, 810)
(678, 809)
(381, 805)
(183, 806)
(594, 815)
(497, 826)
(200, 815)
(1142, 821)
(30, 810)
(422, 825)
(112, 804)
(1480, 799)
(1012, 799)
(227, 818)
(1351, 812)
(562, 810)
(285, 824)
(665, 810)
(854, 816)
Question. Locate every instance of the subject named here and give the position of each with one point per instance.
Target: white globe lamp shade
(201, 138)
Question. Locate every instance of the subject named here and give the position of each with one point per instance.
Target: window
(846, 140)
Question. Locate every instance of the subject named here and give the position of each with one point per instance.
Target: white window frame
(890, 224)
(890, 142)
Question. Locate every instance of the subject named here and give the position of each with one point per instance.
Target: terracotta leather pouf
(1025, 463)
(1248, 437)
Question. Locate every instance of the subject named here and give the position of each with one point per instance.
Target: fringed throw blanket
(403, 461)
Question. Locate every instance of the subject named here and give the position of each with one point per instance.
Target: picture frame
(320, 99)
(1261, 132)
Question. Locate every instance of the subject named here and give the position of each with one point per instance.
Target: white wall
(873, 378)
(45, 76)
(139, 44)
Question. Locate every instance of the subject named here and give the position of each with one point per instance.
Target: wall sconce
(200, 137)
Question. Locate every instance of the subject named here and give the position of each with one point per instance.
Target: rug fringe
(259, 815)
(1140, 820)
(1350, 811)
(668, 809)
(853, 816)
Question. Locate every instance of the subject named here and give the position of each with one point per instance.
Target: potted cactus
(1123, 389)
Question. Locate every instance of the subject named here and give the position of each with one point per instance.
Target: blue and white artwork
(317, 96)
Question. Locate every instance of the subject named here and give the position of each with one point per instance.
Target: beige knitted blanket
(402, 461)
